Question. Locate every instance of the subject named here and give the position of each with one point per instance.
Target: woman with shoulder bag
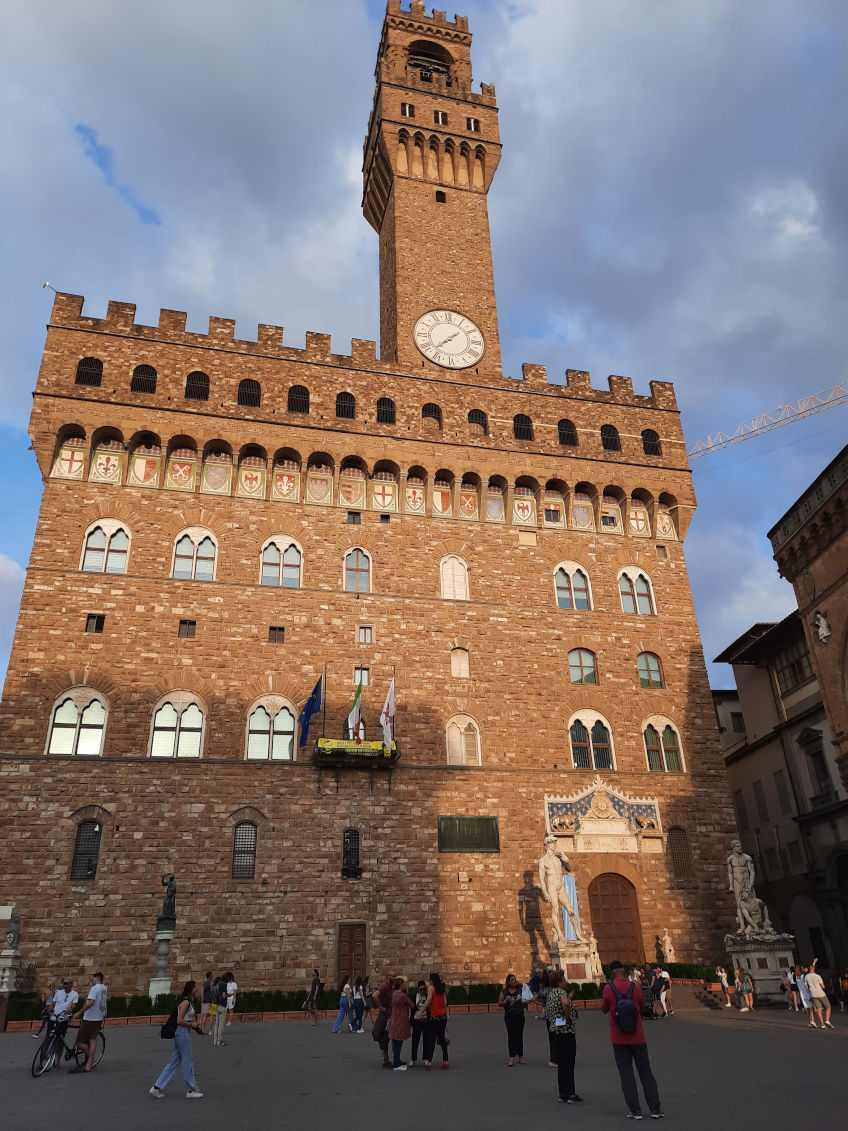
(562, 1019)
(434, 1033)
(511, 1001)
(186, 1023)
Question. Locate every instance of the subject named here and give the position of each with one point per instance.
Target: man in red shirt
(631, 1049)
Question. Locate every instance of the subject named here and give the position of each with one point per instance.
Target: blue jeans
(344, 1011)
(358, 1013)
(180, 1055)
(396, 1047)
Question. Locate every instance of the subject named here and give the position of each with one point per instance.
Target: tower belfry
(430, 156)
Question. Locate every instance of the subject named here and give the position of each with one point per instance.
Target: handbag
(526, 994)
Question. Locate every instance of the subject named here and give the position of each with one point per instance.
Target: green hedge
(24, 1007)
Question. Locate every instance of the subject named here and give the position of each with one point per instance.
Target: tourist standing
(419, 1020)
(434, 1034)
(369, 1000)
(629, 1046)
(181, 1055)
(399, 1027)
(345, 1006)
(804, 993)
(380, 1032)
(746, 989)
(818, 996)
(46, 1008)
(513, 1007)
(64, 1002)
(793, 988)
(93, 1016)
(206, 1005)
(725, 986)
(314, 995)
(358, 1004)
(219, 991)
(843, 987)
(232, 990)
(660, 990)
(561, 1017)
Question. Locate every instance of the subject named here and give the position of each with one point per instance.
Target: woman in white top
(806, 1001)
(186, 1021)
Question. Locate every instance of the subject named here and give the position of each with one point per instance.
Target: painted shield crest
(319, 488)
(414, 499)
(383, 496)
(495, 508)
(441, 502)
(70, 464)
(144, 472)
(638, 518)
(468, 504)
(251, 482)
(216, 478)
(107, 468)
(351, 491)
(181, 473)
(285, 485)
(582, 517)
(523, 510)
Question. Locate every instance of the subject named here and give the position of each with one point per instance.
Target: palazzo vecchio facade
(223, 520)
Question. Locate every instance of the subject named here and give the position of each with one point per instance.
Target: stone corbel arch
(269, 527)
(193, 516)
(272, 683)
(83, 676)
(247, 813)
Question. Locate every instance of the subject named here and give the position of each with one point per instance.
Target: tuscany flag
(354, 719)
(387, 715)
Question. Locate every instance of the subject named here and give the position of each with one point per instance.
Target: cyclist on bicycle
(63, 1007)
(94, 1013)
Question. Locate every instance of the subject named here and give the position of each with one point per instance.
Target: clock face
(449, 339)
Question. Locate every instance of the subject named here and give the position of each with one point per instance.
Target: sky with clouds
(670, 205)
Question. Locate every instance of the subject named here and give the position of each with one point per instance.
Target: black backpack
(626, 1014)
(169, 1029)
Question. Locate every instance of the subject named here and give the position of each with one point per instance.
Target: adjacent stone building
(226, 521)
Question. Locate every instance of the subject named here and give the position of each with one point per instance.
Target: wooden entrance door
(352, 951)
(615, 918)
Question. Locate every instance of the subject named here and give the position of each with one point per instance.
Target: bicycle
(49, 1052)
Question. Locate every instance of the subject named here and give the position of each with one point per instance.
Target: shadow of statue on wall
(658, 950)
(530, 917)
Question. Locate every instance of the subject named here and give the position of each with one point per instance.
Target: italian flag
(354, 721)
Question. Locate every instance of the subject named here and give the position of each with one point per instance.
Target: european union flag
(312, 705)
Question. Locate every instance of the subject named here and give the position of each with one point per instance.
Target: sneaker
(828, 1025)
(194, 1095)
(157, 1092)
(744, 1009)
(445, 1065)
(635, 1115)
(657, 1115)
(727, 1005)
(34, 1036)
(575, 1099)
(400, 1068)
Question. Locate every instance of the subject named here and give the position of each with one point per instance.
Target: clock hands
(450, 338)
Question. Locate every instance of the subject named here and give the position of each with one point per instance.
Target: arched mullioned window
(650, 671)
(662, 749)
(432, 411)
(143, 379)
(567, 434)
(249, 393)
(86, 851)
(477, 417)
(357, 568)
(244, 851)
(636, 593)
(610, 441)
(197, 386)
(281, 564)
(78, 724)
(651, 445)
(453, 573)
(581, 666)
(89, 372)
(177, 728)
(195, 552)
(681, 856)
(463, 741)
(346, 406)
(591, 742)
(572, 587)
(106, 549)
(385, 411)
(522, 427)
(271, 731)
(298, 399)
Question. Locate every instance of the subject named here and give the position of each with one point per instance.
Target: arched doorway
(615, 918)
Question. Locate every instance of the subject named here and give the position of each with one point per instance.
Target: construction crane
(787, 414)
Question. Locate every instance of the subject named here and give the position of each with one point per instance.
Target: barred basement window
(94, 622)
(249, 393)
(244, 851)
(89, 372)
(350, 854)
(86, 850)
(567, 434)
(385, 411)
(197, 386)
(678, 850)
(522, 427)
(143, 379)
(298, 399)
(609, 438)
(276, 634)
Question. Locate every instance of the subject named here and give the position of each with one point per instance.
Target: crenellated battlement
(68, 314)
(417, 13)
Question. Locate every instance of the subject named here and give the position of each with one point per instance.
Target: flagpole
(324, 706)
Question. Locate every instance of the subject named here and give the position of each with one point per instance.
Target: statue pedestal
(764, 957)
(161, 984)
(10, 967)
(573, 959)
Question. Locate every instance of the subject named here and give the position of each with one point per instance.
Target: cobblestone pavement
(715, 1070)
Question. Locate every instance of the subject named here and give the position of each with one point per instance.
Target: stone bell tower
(430, 155)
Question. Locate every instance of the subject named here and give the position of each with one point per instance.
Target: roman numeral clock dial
(449, 339)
